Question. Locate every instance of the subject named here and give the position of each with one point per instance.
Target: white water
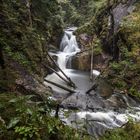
(68, 48)
(102, 120)
(96, 73)
(98, 122)
(81, 79)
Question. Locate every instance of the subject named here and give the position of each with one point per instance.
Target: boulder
(82, 61)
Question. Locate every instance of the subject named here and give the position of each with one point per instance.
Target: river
(91, 110)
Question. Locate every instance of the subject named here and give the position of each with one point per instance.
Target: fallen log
(70, 81)
(57, 74)
(92, 88)
(60, 86)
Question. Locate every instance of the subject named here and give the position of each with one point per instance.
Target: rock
(84, 101)
(116, 101)
(104, 89)
(84, 39)
(120, 11)
(52, 48)
(31, 86)
(28, 84)
(100, 61)
(82, 61)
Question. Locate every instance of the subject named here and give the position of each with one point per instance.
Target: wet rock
(84, 101)
(104, 89)
(82, 61)
(116, 101)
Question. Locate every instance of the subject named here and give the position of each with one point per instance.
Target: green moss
(26, 43)
(134, 92)
(97, 47)
(130, 132)
(124, 75)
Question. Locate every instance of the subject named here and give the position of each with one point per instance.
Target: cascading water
(100, 113)
(68, 48)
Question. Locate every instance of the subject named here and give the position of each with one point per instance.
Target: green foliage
(97, 47)
(70, 14)
(77, 12)
(124, 75)
(134, 92)
(24, 119)
(23, 38)
(120, 73)
(130, 132)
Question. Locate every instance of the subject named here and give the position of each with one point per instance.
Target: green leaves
(32, 120)
(26, 131)
(13, 122)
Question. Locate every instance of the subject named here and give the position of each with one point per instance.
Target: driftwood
(28, 5)
(70, 81)
(60, 86)
(92, 88)
(57, 74)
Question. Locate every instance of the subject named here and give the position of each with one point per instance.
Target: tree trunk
(2, 63)
(60, 86)
(57, 74)
(71, 83)
(28, 5)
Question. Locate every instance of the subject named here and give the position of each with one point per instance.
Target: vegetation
(76, 12)
(23, 119)
(130, 131)
(28, 29)
(123, 70)
(124, 74)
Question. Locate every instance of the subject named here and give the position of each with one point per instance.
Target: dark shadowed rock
(120, 11)
(104, 89)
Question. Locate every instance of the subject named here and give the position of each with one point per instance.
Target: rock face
(101, 99)
(105, 26)
(120, 11)
(82, 61)
(28, 84)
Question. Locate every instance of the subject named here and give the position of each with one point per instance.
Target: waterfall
(68, 48)
(100, 112)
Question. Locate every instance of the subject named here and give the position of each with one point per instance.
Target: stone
(104, 89)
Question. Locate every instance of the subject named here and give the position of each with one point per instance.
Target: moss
(131, 131)
(97, 46)
(124, 75)
(24, 43)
